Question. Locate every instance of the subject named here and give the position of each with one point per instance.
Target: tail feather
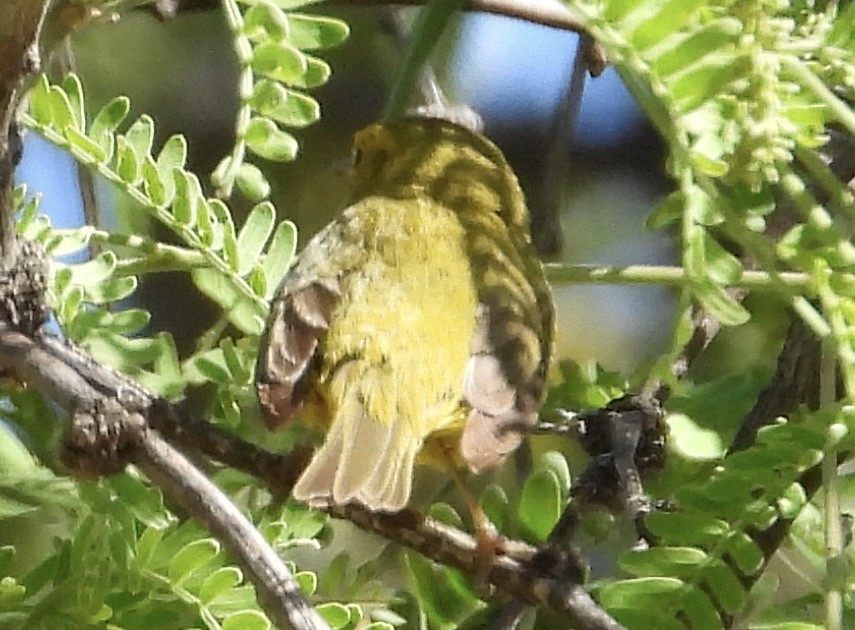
(361, 460)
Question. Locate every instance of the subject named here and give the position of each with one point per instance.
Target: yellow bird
(417, 327)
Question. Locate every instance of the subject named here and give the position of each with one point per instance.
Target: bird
(417, 327)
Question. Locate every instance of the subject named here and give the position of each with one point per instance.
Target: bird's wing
(503, 384)
(299, 317)
(510, 349)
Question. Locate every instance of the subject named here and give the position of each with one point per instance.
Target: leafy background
(741, 96)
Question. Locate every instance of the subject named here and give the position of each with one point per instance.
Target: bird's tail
(362, 459)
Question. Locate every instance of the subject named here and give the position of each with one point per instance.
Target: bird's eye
(357, 156)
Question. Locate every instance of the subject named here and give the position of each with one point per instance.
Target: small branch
(537, 577)
(278, 593)
(676, 276)
(795, 382)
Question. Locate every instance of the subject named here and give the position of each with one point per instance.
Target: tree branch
(109, 430)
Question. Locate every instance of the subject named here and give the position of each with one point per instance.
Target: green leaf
(687, 46)
(722, 267)
(266, 21)
(240, 310)
(223, 228)
(557, 463)
(173, 155)
(311, 32)
(252, 182)
(657, 20)
(62, 113)
(687, 529)
(720, 304)
(287, 4)
(745, 552)
(279, 61)
(253, 236)
(445, 513)
(40, 101)
(699, 82)
(236, 362)
(71, 86)
(625, 593)
(443, 592)
(265, 139)
(121, 322)
(70, 241)
(112, 290)
(188, 196)
(152, 183)
(27, 213)
(335, 614)
(666, 212)
(275, 101)
(316, 74)
(140, 136)
(218, 582)
(212, 367)
(540, 504)
(700, 611)
(127, 164)
(279, 256)
(246, 620)
(107, 120)
(307, 580)
(681, 562)
(15, 460)
(725, 586)
(191, 558)
(494, 501)
(144, 502)
(94, 271)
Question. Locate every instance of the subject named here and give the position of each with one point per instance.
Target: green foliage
(270, 42)
(707, 547)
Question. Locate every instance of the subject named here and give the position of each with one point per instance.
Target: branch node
(102, 438)
(22, 290)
